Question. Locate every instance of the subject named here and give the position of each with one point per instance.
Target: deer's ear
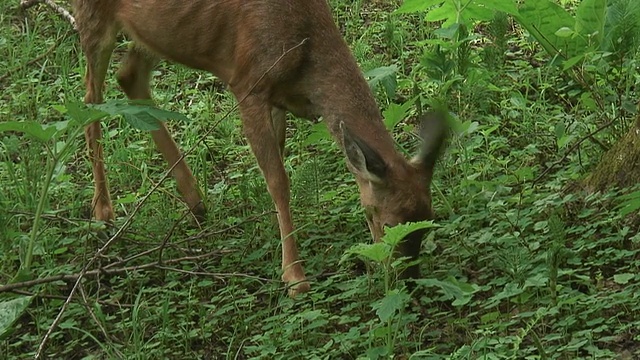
(434, 130)
(362, 159)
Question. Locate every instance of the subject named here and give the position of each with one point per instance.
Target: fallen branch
(114, 271)
(572, 149)
(203, 234)
(64, 13)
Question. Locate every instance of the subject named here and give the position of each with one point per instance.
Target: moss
(620, 166)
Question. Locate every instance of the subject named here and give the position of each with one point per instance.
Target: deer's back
(224, 37)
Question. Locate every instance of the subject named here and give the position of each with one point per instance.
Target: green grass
(517, 269)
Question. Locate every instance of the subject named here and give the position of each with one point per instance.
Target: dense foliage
(521, 263)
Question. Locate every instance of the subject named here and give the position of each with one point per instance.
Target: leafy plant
(395, 299)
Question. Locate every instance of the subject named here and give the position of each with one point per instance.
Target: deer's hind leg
(134, 77)
(97, 37)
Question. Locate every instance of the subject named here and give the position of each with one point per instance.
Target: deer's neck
(345, 96)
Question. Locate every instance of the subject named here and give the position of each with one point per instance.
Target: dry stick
(215, 275)
(85, 303)
(25, 4)
(191, 238)
(169, 233)
(75, 277)
(566, 154)
(129, 220)
(60, 297)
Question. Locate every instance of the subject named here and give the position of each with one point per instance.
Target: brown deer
(242, 42)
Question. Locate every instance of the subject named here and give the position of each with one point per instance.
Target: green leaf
(590, 19)
(140, 114)
(476, 12)
(449, 32)
(318, 133)
(569, 63)
(393, 302)
(396, 113)
(564, 32)
(413, 6)
(509, 290)
(623, 278)
(461, 292)
(385, 76)
(506, 6)
(81, 113)
(445, 12)
(394, 235)
(379, 352)
(542, 19)
(377, 252)
(10, 311)
(40, 132)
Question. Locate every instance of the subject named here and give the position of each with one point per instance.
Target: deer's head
(396, 192)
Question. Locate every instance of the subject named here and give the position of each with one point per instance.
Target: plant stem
(51, 164)
(52, 161)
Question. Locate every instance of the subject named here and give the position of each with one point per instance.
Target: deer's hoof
(299, 287)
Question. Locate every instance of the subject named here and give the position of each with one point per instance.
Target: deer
(278, 56)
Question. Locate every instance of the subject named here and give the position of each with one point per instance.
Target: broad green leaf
(452, 288)
(318, 132)
(385, 76)
(413, 6)
(569, 63)
(377, 252)
(490, 317)
(445, 12)
(590, 19)
(586, 99)
(448, 32)
(379, 352)
(506, 6)
(39, 131)
(623, 278)
(509, 290)
(564, 32)
(81, 113)
(393, 302)
(396, 113)
(10, 311)
(542, 18)
(394, 235)
(477, 12)
(142, 115)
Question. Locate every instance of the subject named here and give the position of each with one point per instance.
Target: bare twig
(102, 272)
(85, 303)
(216, 275)
(188, 239)
(575, 146)
(129, 220)
(60, 297)
(64, 13)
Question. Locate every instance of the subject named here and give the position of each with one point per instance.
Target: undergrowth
(521, 265)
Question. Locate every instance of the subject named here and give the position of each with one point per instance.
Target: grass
(517, 269)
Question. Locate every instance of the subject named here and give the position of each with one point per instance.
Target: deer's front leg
(263, 129)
